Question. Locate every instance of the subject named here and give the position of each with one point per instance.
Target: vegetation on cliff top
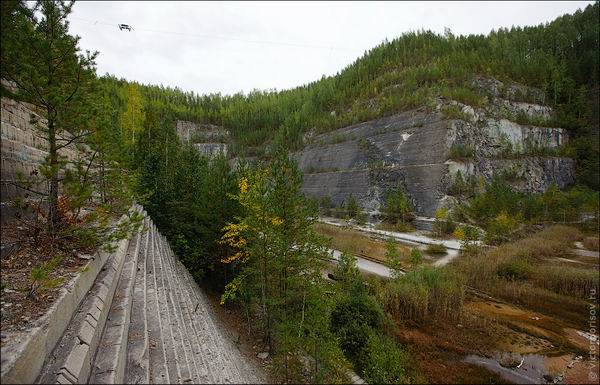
(560, 58)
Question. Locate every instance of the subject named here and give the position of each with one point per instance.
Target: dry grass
(534, 250)
(525, 272)
(591, 243)
(356, 243)
(436, 248)
(571, 281)
(425, 293)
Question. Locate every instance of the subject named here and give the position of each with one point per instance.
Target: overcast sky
(228, 47)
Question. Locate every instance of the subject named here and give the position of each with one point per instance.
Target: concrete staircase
(145, 320)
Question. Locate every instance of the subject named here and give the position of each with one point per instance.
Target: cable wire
(202, 36)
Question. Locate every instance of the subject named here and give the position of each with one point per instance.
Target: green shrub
(383, 361)
(463, 186)
(436, 248)
(397, 208)
(325, 205)
(443, 224)
(514, 270)
(352, 208)
(501, 228)
(346, 271)
(416, 257)
(460, 151)
(40, 276)
(468, 235)
(353, 320)
(393, 258)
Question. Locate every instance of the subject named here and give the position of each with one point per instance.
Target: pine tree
(45, 64)
(281, 258)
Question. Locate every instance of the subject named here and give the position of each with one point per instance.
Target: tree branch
(69, 141)
(26, 188)
(76, 87)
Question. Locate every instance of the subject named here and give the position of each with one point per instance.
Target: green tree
(352, 208)
(280, 258)
(45, 64)
(397, 206)
(393, 258)
(132, 118)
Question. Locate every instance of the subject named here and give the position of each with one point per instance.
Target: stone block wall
(23, 150)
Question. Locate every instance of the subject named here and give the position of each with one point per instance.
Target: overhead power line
(203, 36)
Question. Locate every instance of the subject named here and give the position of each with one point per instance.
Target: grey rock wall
(412, 149)
(209, 139)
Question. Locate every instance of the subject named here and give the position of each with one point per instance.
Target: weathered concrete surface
(158, 327)
(24, 353)
(413, 149)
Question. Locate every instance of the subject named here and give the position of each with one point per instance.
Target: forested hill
(560, 58)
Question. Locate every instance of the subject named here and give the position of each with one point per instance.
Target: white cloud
(216, 46)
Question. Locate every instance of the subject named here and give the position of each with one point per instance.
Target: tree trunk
(53, 163)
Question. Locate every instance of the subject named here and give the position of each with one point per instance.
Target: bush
(443, 224)
(514, 270)
(393, 257)
(383, 361)
(353, 320)
(397, 209)
(346, 271)
(416, 257)
(461, 151)
(40, 276)
(325, 205)
(463, 187)
(436, 248)
(468, 235)
(425, 293)
(501, 228)
(351, 207)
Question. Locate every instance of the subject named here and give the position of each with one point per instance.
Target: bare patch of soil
(247, 341)
(19, 306)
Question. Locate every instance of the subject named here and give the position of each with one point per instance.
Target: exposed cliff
(425, 148)
(206, 138)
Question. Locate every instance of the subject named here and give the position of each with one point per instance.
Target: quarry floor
(494, 341)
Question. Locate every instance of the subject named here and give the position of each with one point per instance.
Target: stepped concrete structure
(142, 319)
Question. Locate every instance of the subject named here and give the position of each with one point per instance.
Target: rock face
(209, 139)
(423, 150)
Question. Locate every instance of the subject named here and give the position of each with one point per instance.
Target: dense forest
(248, 231)
(560, 58)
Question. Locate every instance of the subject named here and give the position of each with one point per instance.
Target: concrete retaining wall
(25, 352)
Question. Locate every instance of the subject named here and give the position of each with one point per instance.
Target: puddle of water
(523, 369)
